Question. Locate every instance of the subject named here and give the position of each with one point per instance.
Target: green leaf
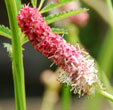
(59, 31)
(5, 31)
(60, 1)
(52, 18)
(54, 5)
(18, 4)
(9, 48)
(34, 3)
(41, 4)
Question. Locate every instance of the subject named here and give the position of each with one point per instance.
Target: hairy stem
(17, 60)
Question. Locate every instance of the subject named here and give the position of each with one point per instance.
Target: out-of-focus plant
(52, 88)
(106, 54)
(98, 6)
(78, 69)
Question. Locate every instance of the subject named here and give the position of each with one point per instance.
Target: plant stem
(66, 98)
(106, 95)
(17, 60)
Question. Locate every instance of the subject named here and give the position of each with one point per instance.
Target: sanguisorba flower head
(78, 69)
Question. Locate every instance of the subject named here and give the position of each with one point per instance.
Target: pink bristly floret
(79, 71)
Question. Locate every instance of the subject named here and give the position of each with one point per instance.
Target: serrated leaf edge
(59, 31)
(50, 6)
(5, 29)
(62, 15)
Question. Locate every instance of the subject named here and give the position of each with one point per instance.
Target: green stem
(17, 60)
(105, 62)
(66, 98)
(106, 95)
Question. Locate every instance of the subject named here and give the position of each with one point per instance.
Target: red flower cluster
(79, 71)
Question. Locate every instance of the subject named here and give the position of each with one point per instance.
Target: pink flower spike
(78, 70)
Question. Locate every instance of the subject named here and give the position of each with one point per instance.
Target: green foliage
(59, 31)
(9, 48)
(41, 4)
(5, 31)
(34, 3)
(52, 18)
(18, 4)
(61, 1)
(54, 5)
(66, 98)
